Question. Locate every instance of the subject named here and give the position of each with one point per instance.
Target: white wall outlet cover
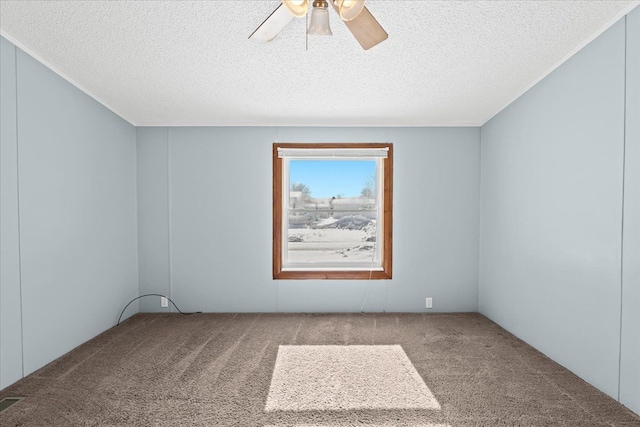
(429, 302)
(164, 302)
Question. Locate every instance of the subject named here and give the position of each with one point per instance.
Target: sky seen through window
(330, 178)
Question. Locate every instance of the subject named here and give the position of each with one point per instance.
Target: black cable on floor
(154, 295)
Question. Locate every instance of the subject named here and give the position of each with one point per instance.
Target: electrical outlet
(429, 302)
(164, 302)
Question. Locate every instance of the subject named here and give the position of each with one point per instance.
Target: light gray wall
(75, 176)
(10, 307)
(630, 348)
(219, 229)
(551, 214)
(153, 216)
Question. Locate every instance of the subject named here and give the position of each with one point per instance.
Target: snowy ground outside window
(348, 239)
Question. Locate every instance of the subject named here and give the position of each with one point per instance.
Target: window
(332, 211)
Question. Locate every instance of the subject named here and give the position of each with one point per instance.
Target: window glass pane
(332, 212)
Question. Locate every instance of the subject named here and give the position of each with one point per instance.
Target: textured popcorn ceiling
(446, 63)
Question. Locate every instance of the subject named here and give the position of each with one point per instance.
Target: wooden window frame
(387, 218)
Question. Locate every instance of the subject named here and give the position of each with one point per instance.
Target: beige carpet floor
(308, 370)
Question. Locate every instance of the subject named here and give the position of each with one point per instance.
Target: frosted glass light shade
(350, 9)
(319, 23)
(297, 8)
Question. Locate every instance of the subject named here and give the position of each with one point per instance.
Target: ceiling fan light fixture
(350, 9)
(297, 8)
(319, 22)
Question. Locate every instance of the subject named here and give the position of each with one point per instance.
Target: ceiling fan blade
(365, 28)
(271, 26)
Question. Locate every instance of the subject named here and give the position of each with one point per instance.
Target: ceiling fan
(355, 15)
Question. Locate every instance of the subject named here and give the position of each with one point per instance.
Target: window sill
(331, 275)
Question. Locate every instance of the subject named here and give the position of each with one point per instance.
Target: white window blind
(333, 153)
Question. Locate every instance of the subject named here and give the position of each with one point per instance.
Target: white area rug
(331, 377)
(368, 425)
